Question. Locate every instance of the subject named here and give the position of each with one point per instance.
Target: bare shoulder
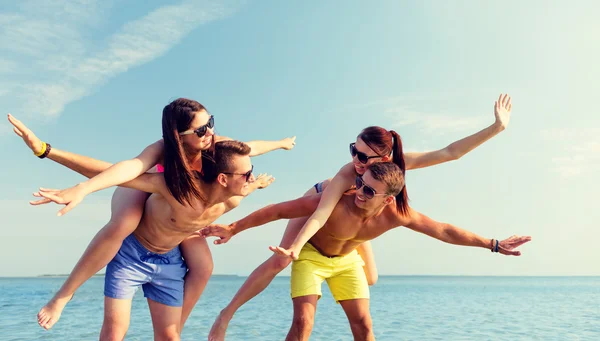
(219, 138)
(157, 146)
(393, 218)
(345, 176)
(154, 152)
(347, 171)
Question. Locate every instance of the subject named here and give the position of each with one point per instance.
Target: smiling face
(190, 140)
(238, 177)
(370, 193)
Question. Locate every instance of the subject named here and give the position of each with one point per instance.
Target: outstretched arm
(263, 147)
(300, 207)
(342, 181)
(151, 183)
(83, 165)
(455, 235)
(261, 181)
(456, 150)
(94, 169)
(102, 174)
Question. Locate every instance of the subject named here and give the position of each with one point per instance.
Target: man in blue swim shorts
(150, 257)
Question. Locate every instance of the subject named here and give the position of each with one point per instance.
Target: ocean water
(402, 307)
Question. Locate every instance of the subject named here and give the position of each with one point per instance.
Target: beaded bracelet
(492, 247)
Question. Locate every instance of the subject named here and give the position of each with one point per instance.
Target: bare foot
(50, 313)
(217, 332)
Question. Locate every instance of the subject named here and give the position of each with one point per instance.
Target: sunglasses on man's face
(368, 191)
(201, 131)
(362, 157)
(248, 174)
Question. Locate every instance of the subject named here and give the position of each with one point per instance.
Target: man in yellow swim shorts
(330, 253)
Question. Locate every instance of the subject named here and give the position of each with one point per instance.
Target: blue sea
(402, 307)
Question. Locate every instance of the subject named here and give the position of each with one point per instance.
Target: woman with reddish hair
(373, 144)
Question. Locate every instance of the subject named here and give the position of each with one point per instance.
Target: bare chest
(345, 226)
(182, 219)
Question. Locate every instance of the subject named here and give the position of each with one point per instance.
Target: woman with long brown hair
(188, 134)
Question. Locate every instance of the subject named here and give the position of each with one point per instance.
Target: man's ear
(222, 179)
(389, 200)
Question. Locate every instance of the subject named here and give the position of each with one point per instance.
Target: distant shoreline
(287, 276)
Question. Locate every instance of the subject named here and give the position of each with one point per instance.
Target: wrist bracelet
(42, 151)
(47, 149)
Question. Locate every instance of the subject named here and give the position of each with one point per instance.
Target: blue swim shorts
(160, 275)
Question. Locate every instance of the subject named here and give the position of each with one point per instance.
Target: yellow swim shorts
(344, 274)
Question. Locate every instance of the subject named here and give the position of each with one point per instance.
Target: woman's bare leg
(259, 279)
(199, 261)
(365, 250)
(127, 208)
(262, 276)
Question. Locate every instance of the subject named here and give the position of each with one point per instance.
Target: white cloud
(51, 47)
(434, 123)
(579, 152)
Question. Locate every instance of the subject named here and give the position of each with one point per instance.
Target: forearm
(262, 147)
(461, 147)
(83, 165)
(453, 151)
(263, 216)
(457, 236)
(115, 175)
(149, 183)
(310, 228)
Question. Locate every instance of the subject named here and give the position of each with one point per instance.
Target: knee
(363, 324)
(303, 323)
(202, 272)
(118, 229)
(113, 334)
(372, 279)
(279, 263)
(168, 335)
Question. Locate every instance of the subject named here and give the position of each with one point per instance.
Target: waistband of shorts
(133, 241)
(320, 252)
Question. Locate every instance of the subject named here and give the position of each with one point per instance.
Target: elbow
(450, 235)
(452, 154)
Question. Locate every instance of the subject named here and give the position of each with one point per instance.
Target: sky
(92, 77)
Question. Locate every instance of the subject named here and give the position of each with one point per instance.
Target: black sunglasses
(368, 191)
(248, 174)
(201, 131)
(362, 157)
